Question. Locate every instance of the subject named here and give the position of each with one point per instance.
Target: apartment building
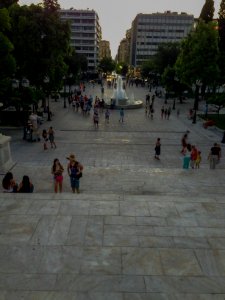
(123, 53)
(150, 30)
(104, 49)
(86, 34)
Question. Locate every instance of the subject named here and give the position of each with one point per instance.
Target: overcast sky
(116, 16)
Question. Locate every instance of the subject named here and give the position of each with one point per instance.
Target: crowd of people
(193, 157)
(74, 171)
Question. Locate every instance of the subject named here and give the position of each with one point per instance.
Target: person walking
(51, 136)
(194, 155)
(147, 99)
(45, 138)
(168, 113)
(214, 156)
(198, 160)
(75, 174)
(184, 142)
(107, 114)
(187, 157)
(121, 115)
(162, 112)
(57, 171)
(157, 148)
(96, 119)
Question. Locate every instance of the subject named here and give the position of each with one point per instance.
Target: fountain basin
(126, 104)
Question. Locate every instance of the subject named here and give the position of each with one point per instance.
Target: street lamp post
(174, 104)
(46, 81)
(176, 81)
(16, 84)
(196, 91)
(64, 81)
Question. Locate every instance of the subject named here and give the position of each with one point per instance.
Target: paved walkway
(140, 229)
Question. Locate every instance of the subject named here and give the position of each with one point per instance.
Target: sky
(116, 16)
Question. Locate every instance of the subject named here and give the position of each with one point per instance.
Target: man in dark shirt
(214, 155)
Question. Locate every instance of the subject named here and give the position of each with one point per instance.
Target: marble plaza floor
(140, 228)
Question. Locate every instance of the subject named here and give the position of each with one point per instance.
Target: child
(198, 160)
(107, 113)
(96, 119)
(57, 171)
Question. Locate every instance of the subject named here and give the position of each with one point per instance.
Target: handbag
(79, 175)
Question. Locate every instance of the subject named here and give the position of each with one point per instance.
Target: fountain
(119, 98)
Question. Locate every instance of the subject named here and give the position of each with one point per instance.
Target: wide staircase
(150, 234)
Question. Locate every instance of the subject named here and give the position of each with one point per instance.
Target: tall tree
(198, 59)
(51, 5)
(221, 25)
(7, 3)
(41, 42)
(7, 61)
(207, 12)
(106, 64)
(166, 55)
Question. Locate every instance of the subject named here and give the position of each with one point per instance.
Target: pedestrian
(187, 157)
(74, 104)
(57, 171)
(151, 111)
(223, 139)
(168, 113)
(198, 160)
(26, 186)
(121, 115)
(178, 112)
(96, 119)
(51, 136)
(147, 99)
(184, 142)
(8, 183)
(157, 148)
(45, 138)
(146, 109)
(214, 156)
(165, 113)
(75, 174)
(153, 99)
(162, 112)
(107, 114)
(194, 155)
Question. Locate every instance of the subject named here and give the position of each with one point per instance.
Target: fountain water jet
(119, 98)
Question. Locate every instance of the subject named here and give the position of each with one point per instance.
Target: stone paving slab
(140, 229)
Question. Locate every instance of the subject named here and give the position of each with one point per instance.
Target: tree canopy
(221, 26)
(106, 65)
(199, 56)
(207, 11)
(7, 61)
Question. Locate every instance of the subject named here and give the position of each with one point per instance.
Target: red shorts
(59, 178)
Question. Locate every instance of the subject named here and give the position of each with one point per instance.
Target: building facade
(123, 53)
(104, 49)
(86, 34)
(150, 30)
